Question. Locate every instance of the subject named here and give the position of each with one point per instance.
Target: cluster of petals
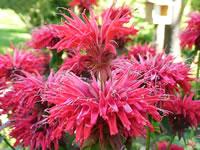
(76, 63)
(191, 34)
(182, 113)
(7, 105)
(163, 73)
(12, 65)
(26, 113)
(82, 108)
(29, 130)
(98, 43)
(144, 50)
(43, 37)
(123, 36)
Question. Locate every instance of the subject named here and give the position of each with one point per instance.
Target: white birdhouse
(159, 11)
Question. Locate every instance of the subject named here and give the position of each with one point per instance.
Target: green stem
(56, 60)
(191, 133)
(156, 145)
(171, 142)
(5, 140)
(148, 139)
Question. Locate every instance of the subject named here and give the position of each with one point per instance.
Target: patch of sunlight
(10, 18)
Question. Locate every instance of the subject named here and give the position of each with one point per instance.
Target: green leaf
(165, 124)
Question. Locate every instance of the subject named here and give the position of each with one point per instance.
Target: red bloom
(163, 146)
(97, 43)
(163, 73)
(29, 130)
(83, 4)
(10, 66)
(182, 113)
(83, 109)
(27, 121)
(43, 37)
(191, 34)
(142, 50)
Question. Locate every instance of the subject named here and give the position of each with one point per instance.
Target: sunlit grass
(12, 29)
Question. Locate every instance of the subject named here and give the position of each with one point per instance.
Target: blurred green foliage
(35, 12)
(195, 5)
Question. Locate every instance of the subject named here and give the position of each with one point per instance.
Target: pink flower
(97, 43)
(27, 118)
(83, 109)
(191, 34)
(182, 113)
(43, 38)
(163, 73)
(83, 4)
(163, 146)
(29, 130)
(12, 65)
(142, 50)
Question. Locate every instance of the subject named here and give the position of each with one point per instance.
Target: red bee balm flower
(10, 66)
(27, 120)
(163, 73)
(97, 43)
(142, 50)
(89, 112)
(182, 113)
(191, 34)
(43, 37)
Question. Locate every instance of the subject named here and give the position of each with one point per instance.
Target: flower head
(98, 44)
(163, 73)
(12, 65)
(142, 50)
(86, 110)
(27, 118)
(191, 34)
(182, 113)
(43, 37)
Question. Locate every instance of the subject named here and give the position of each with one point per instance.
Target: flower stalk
(148, 139)
(6, 141)
(171, 142)
(56, 60)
